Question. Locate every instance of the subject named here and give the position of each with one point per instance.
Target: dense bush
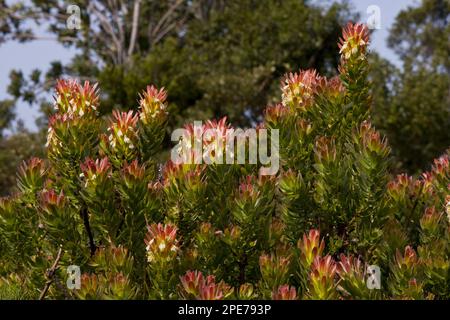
(139, 230)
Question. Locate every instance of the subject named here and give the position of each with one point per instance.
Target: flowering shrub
(219, 231)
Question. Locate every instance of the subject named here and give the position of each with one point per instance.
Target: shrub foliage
(141, 230)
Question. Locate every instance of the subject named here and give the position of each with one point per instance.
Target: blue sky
(39, 54)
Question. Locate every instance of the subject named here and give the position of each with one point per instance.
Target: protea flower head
(91, 170)
(192, 281)
(325, 149)
(119, 286)
(191, 174)
(246, 291)
(298, 89)
(310, 247)
(111, 258)
(322, 284)
(304, 127)
(349, 265)
(133, 171)
(31, 174)
(352, 275)
(161, 241)
(430, 221)
(414, 290)
(248, 189)
(354, 41)
(50, 199)
(330, 87)
(275, 114)
(57, 121)
(204, 142)
(121, 142)
(196, 285)
(195, 178)
(324, 266)
(408, 260)
(123, 129)
(441, 167)
(118, 255)
(90, 287)
(231, 235)
(401, 182)
(371, 139)
(216, 133)
(285, 292)
(152, 104)
(213, 291)
(274, 268)
(404, 186)
(75, 99)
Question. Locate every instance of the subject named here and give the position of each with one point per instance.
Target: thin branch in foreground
(50, 275)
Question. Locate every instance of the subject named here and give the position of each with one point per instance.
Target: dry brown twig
(50, 275)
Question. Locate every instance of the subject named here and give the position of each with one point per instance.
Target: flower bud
(195, 285)
(93, 171)
(285, 292)
(408, 260)
(430, 221)
(310, 247)
(325, 150)
(51, 200)
(31, 175)
(322, 284)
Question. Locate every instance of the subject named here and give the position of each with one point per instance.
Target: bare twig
(156, 32)
(134, 29)
(50, 275)
(85, 217)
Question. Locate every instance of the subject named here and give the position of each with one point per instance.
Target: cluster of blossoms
(152, 104)
(31, 173)
(285, 292)
(161, 242)
(403, 185)
(372, 139)
(102, 200)
(74, 99)
(322, 283)
(50, 198)
(273, 266)
(72, 102)
(325, 149)
(351, 267)
(354, 41)
(408, 260)
(91, 170)
(122, 130)
(310, 247)
(204, 142)
(298, 89)
(195, 285)
(273, 114)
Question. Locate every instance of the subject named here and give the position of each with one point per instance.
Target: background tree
(180, 44)
(412, 106)
(215, 57)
